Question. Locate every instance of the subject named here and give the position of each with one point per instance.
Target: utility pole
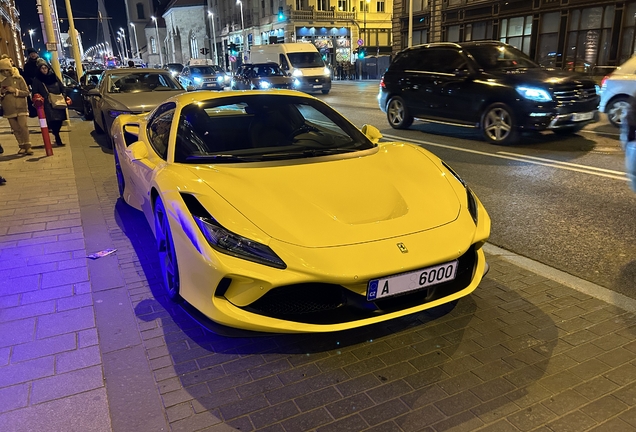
(75, 45)
(51, 43)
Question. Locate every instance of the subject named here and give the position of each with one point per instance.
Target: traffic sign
(51, 46)
(360, 42)
(232, 58)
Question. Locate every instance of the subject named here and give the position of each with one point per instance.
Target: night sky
(84, 14)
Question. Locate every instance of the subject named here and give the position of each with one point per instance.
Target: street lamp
(158, 42)
(211, 17)
(31, 31)
(136, 41)
(240, 3)
(123, 38)
(364, 34)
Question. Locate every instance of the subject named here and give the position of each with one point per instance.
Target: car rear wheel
(167, 253)
(498, 125)
(88, 111)
(121, 183)
(616, 110)
(398, 114)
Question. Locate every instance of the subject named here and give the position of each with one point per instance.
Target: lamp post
(211, 17)
(136, 41)
(364, 33)
(240, 3)
(123, 39)
(31, 31)
(158, 41)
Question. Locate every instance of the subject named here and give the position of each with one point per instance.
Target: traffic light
(204, 51)
(281, 14)
(361, 53)
(233, 50)
(47, 56)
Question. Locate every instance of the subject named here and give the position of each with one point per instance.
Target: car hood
(544, 77)
(327, 202)
(272, 79)
(141, 101)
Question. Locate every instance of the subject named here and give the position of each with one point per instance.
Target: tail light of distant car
(603, 80)
(382, 85)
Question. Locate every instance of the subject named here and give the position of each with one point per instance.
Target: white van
(301, 60)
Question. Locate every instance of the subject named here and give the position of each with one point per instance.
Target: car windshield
(135, 82)
(254, 128)
(267, 70)
(176, 67)
(205, 70)
(500, 57)
(306, 59)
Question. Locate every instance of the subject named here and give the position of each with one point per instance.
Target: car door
(451, 98)
(415, 81)
(74, 91)
(184, 77)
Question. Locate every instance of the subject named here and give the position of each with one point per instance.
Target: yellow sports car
(274, 213)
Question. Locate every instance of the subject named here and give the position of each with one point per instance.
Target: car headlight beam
(264, 84)
(229, 243)
(534, 94)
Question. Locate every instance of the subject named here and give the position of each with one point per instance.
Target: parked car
(174, 68)
(262, 76)
(616, 89)
(87, 82)
(204, 77)
(272, 212)
(487, 85)
(129, 90)
(74, 91)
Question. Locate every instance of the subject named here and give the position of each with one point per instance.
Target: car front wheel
(616, 110)
(398, 114)
(167, 253)
(498, 125)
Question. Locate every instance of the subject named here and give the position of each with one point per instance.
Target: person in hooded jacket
(13, 93)
(47, 82)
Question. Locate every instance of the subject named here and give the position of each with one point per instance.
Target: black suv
(488, 85)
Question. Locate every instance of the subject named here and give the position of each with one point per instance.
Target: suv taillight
(382, 83)
(604, 79)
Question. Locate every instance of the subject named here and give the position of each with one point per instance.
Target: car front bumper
(557, 116)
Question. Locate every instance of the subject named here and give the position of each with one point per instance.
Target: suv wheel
(616, 110)
(498, 125)
(397, 114)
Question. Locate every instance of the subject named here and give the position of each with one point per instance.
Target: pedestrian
(31, 66)
(628, 141)
(131, 64)
(47, 84)
(13, 93)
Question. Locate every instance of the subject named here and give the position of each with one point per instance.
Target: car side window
(415, 60)
(283, 62)
(159, 128)
(443, 60)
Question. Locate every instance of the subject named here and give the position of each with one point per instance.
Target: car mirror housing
(372, 132)
(190, 88)
(137, 151)
(93, 92)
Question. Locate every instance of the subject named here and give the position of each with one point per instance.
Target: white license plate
(318, 86)
(412, 281)
(582, 116)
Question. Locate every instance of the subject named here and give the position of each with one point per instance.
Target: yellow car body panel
(335, 221)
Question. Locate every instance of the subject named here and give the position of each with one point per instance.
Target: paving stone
(357, 385)
(596, 387)
(385, 411)
(564, 402)
(14, 397)
(307, 421)
(67, 384)
(614, 425)
(589, 369)
(195, 422)
(495, 409)
(531, 417)
(44, 347)
(576, 421)
(65, 322)
(27, 311)
(560, 381)
(26, 371)
(348, 424)
(463, 422)
(604, 408)
(243, 407)
(622, 375)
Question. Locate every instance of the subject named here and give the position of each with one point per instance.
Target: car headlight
(534, 94)
(228, 78)
(227, 242)
(264, 84)
(173, 73)
(297, 73)
(296, 83)
(114, 113)
(197, 80)
(472, 201)
(220, 79)
(326, 71)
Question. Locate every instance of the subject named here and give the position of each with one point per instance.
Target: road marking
(585, 169)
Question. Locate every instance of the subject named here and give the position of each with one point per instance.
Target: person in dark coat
(44, 83)
(31, 66)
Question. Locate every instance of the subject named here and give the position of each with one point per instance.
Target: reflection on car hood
(395, 191)
(141, 101)
(544, 76)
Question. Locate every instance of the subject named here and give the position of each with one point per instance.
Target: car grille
(320, 303)
(575, 93)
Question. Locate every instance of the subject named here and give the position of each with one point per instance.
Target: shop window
(628, 45)
(452, 34)
(478, 31)
(588, 39)
(516, 32)
(548, 38)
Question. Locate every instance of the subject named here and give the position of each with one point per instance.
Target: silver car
(130, 91)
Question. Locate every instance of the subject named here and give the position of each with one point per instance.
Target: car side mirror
(190, 88)
(137, 151)
(372, 132)
(93, 92)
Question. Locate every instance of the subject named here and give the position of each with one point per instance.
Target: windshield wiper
(221, 158)
(305, 153)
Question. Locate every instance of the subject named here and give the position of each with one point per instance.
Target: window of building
(379, 6)
(343, 5)
(418, 5)
(322, 5)
(194, 48)
(478, 31)
(140, 11)
(628, 47)
(517, 31)
(153, 45)
(589, 34)
(364, 6)
(548, 38)
(452, 33)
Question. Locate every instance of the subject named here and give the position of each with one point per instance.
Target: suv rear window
(440, 60)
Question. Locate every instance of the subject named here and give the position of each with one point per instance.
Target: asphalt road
(562, 201)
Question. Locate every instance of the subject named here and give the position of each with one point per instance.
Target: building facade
(10, 32)
(138, 13)
(582, 35)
